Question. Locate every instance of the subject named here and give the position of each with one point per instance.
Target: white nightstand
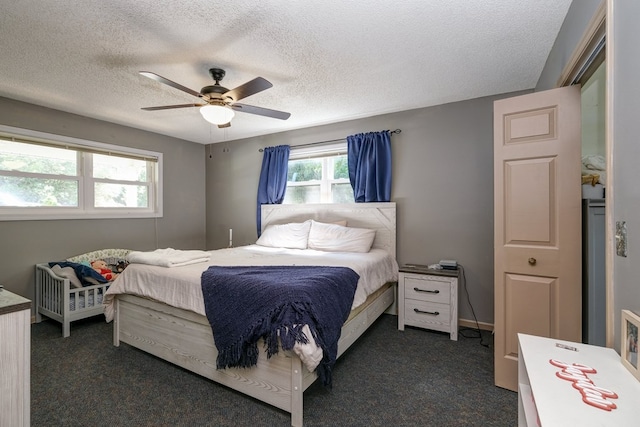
(428, 299)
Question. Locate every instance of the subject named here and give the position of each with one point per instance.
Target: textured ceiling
(329, 61)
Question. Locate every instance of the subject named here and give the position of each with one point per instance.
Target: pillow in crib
(67, 273)
(293, 235)
(336, 238)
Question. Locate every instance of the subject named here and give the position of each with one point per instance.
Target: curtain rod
(329, 141)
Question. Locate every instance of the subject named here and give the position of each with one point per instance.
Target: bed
(59, 299)
(180, 334)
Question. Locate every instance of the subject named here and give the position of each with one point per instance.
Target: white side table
(428, 299)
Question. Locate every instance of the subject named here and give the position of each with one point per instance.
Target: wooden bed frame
(184, 338)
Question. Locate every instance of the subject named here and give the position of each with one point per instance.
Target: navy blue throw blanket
(244, 304)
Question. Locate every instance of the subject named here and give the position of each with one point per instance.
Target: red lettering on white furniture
(591, 394)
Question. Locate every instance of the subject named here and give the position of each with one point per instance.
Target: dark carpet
(387, 378)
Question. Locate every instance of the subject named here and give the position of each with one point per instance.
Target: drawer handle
(434, 313)
(426, 290)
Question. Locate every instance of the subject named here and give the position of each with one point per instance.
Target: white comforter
(181, 287)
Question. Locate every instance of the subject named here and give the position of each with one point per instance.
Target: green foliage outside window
(304, 170)
(20, 191)
(340, 168)
(302, 194)
(26, 191)
(307, 184)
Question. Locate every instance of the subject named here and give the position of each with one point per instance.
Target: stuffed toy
(120, 266)
(101, 267)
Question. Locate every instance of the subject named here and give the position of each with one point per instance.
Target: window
(318, 174)
(44, 176)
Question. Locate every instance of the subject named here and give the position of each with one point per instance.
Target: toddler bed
(61, 296)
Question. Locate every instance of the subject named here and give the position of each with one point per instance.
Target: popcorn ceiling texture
(329, 61)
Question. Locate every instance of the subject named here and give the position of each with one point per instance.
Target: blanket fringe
(276, 333)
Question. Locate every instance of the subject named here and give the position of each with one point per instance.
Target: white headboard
(378, 216)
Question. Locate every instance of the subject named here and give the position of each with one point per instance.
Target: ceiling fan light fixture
(217, 114)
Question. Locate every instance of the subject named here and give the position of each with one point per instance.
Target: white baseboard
(472, 324)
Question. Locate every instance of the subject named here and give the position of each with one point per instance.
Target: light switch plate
(621, 238)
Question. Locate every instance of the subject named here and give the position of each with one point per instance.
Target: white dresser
(561, 383)
(428, 299)
(15, 360)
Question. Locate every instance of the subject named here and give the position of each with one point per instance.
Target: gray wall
(25, 243)
(442, 184)
(576, 22)
(626, 152)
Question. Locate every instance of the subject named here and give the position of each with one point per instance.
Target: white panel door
(537, 213)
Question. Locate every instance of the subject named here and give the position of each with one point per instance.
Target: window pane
(321, 179)
(120, 168)
(340, 167)
(20, 157)
(341, 193)
(21, 191)
(121, 196)
(302, 194)
(304, 170)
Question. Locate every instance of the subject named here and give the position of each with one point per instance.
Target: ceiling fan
(219, 103)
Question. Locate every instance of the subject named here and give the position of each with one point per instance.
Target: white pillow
(293, 235)
(336, 238)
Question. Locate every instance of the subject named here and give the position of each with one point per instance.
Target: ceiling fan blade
(249, 88)
(168, 107)
(226, 125)
(261, 111)
(168, 82)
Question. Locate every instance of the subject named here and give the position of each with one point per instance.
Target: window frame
(325, 152)
(86, 208)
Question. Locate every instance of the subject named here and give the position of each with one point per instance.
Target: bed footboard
(57, 300)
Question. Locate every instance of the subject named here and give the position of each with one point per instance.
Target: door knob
(532, 261)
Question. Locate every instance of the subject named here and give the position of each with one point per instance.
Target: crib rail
(56, 299)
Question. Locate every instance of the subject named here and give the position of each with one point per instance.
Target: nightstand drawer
(425, 289)
(427, 314)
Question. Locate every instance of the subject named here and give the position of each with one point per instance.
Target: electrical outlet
(621, 238)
